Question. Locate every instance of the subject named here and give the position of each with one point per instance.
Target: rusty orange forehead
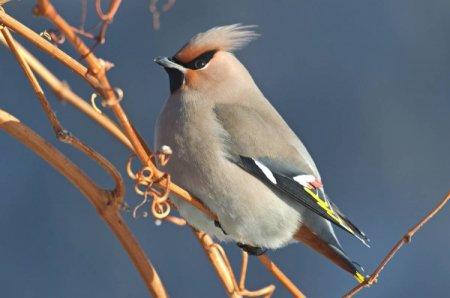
(190, 52)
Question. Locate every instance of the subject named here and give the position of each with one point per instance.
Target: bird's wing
(310, 197)
(261, 143)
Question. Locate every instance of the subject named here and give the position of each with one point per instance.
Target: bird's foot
(252, 250)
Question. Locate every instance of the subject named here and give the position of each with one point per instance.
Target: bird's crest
(224, 38)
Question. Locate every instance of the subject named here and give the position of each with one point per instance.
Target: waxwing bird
(234, 152)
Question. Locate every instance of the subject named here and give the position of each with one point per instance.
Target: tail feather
(331, 252)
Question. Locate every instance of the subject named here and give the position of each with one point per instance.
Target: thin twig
(265, 292)
(153, 8)
(106, 18)
(156, 15)
(215, 256)
(84, 33)
(273, 268)
(244, 267)
(218, 258)
(404, 240)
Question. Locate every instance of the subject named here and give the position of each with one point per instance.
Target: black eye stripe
(199, 62)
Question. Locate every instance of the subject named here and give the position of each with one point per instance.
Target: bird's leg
(252, 250)
(217, 224)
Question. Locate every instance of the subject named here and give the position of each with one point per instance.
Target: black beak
(174, 70)
(168, 63)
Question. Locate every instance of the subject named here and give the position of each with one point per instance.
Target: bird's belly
(248, 211)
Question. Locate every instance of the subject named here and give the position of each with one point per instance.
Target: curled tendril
(142, 203)
(146, 174)
(93, 104)
(160, 206)
(130, 172)
(141, 187)
(145, 185)
(160, 210)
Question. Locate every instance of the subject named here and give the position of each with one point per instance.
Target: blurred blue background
(366, 85)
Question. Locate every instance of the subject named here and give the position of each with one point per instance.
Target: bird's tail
(331, 252)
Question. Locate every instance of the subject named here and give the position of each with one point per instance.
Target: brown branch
(63, 92)
(101, 199)
(84, 33)
(220, 265)
(406, 239)
(264, 292)
(280, 276)
(244, 266)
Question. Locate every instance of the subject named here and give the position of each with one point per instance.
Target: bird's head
(206, 62)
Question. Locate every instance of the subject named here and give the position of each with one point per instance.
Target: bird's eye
(201, 61)
(199, 64)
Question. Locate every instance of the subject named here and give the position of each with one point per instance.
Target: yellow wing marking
(359, 277)
(325, 206)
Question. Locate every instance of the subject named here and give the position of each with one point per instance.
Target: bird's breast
(194, 135)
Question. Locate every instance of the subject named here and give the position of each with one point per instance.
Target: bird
(233, 151)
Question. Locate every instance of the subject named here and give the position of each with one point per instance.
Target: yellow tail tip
(359, 277)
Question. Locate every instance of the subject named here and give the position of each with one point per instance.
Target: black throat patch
(176, 78)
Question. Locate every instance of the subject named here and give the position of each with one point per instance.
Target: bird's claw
(252, 250)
